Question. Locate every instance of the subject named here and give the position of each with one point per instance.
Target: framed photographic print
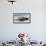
(21, 18)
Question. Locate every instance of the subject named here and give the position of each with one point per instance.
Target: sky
(22, 14)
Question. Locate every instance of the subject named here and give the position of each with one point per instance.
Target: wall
(37, 28)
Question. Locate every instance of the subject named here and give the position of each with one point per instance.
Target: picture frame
(21, 18)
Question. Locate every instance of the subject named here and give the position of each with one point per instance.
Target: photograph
(21, 18)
